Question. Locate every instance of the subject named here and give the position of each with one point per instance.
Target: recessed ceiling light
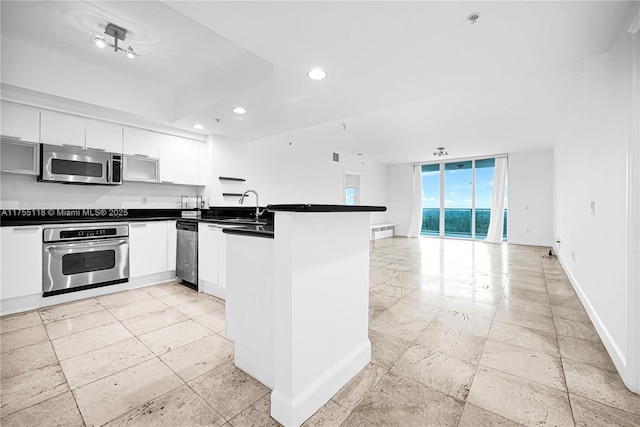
(198, 126)
(239, 110)
(317, 74)
(473, 17)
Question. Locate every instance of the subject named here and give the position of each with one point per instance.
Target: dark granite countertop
(324, 208)
(227, 217)
(20, 217)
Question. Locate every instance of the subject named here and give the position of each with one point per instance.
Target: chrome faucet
(258, 211)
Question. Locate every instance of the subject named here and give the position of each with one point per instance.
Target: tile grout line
(564, 375)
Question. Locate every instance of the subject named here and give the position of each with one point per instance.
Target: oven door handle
(97, 244)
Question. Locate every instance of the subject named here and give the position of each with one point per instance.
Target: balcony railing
(457, 222)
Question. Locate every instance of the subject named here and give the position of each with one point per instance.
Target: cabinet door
(21, 261)
(179, 160)
(20, 157)
(103, 136)
(20, 122)
(141, 143)
(61, 129)
(144, 169)
(172, 241)
(147, 248)
(208, 253)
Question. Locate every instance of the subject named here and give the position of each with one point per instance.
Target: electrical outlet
(573, 256)
(145, 200)
(592, 207)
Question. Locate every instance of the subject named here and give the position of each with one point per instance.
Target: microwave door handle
(108, 161)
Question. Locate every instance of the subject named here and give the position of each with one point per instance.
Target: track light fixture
(118, 34)
(440, 152)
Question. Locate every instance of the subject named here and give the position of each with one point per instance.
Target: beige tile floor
(463, 333)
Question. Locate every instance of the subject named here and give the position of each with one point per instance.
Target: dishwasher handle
(187, 226)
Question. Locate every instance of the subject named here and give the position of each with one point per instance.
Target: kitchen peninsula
(297, 303)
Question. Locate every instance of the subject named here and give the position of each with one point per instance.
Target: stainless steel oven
(83, 256)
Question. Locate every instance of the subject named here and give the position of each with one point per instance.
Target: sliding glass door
(484, 188)
(456, 199)
(430, 200)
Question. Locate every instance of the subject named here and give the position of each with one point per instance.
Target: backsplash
(24, 192)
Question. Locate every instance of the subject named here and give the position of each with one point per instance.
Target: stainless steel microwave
(79, 166)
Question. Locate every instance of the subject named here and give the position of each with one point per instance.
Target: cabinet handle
(73, 145)
(141, 155)
(26, 228)
(212, 226)
(167, 182)
(96, 149)
(16, 138)
(137, 224)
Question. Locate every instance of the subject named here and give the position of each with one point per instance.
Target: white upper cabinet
(72, 131)
(103, 136)
(20, 122)
(62, 129)
(179, 160)
(141, 143)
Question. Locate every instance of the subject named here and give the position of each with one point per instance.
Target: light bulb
(130, 53)
(239, 110)
(100, 42)
(317, 74)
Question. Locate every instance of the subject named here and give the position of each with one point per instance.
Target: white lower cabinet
(148, 248)
(172, 241)
(211, 259)
(21, 261)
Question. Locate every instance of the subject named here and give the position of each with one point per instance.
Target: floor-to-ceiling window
(456, 199)
(430, 200)
(484, 187)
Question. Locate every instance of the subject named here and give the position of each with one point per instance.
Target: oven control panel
(85, 232)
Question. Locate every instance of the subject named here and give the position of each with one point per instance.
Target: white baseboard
(211, 289)
(255, 364)
(18, 304)
(526, 242)
(294, 412)
(617, 356)
(151, 279)
(31, 302)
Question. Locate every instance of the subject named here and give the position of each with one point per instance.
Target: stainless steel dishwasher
(187, 253)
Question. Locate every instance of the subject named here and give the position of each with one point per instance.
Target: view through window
(456, 199)
(351, 188)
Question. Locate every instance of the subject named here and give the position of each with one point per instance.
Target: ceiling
(403, 77)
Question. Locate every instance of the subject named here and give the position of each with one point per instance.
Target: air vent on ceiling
(336, 157)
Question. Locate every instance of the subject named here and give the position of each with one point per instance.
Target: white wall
(530, 198)
(24, 192)
(590, 160)
(224, 157)
(400, 196)
(282, 171)
(529, 193)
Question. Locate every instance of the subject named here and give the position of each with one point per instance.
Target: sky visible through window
(458, 185)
